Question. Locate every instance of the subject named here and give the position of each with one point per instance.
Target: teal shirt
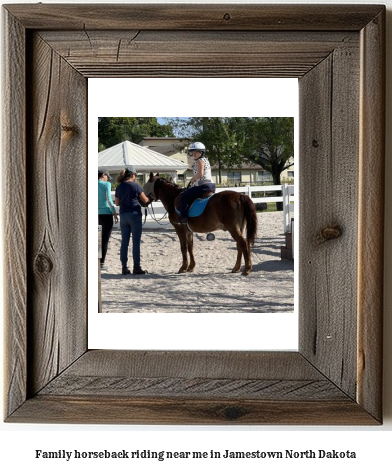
(105, 202)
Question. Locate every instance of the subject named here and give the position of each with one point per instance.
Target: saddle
(196, 207)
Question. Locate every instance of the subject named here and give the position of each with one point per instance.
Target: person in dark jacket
(128, 196)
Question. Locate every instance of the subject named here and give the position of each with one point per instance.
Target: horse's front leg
(189, 238)
(181, 232)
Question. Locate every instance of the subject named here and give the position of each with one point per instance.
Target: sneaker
(139, 271)
(125, 271)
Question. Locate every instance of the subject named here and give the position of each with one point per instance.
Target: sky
(162, 122)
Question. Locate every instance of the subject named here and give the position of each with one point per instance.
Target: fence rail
(287, 199)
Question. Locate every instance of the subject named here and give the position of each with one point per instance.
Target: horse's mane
(175, 186)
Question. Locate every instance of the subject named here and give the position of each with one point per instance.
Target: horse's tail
(251, 219)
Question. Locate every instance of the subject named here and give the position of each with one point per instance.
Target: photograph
(201, 202)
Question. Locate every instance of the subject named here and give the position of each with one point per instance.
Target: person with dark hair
(128, 196)
(106, 211)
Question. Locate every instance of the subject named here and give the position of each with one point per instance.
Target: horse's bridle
(151, 194)
(152, 197)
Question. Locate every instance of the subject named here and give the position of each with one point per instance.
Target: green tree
(266, 141)
(272, 139)
(218, 135)
(114, 130)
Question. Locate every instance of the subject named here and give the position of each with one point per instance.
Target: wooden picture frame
(338, 54)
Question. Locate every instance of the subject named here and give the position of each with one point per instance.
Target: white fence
(287, 198)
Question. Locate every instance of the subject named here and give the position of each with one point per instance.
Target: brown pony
(227, 210)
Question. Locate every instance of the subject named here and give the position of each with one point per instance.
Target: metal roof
(145, 160)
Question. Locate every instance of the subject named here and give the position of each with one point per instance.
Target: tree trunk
(276, 178)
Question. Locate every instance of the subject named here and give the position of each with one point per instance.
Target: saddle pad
(197, 207)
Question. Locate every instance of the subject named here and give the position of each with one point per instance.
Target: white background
(209, 98)
(18, 442)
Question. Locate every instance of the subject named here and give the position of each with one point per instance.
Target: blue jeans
(130, 223)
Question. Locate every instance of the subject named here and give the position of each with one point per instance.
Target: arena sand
(211, 288)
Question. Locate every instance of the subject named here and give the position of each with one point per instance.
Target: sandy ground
(211, 288)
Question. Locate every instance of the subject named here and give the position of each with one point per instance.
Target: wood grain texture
(155, 411)
(371, 215)
(14, 225)
(206, 374)
(192, 17)
(136, 53)
(58, 235)
(335, 378)
(329, 195)
(201, 387)
(209, 364)
(156, 387)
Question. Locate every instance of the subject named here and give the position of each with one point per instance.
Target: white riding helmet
(197, 146)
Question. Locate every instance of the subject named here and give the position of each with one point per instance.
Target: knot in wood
(227, 16)
(315, 143)
(43, 264)
(328, 233)
(68, 128)
(233, 413)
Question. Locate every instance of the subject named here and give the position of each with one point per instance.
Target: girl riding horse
(202, 179)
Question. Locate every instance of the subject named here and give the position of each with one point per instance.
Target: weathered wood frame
(337, 52)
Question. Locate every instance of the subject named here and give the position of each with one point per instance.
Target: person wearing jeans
(131, 224)
(128, 196)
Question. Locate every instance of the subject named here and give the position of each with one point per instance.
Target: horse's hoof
(235, 270)
(190, 270)
(245, 272)
(182, 270)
